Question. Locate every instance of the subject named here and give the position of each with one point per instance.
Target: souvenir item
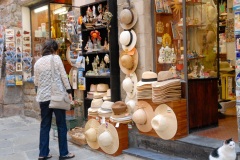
(128, 17)
(161, 57)
(129, 84)
(91, 131)
(128, 63)
(128, 40)
(87, 60)
(164, 75)
(167, 40)
(10, 80)
(142, 116)
(164, 122)
(106, 58)
(159, 27)
(108, 139)
(201, 72)
(19, 80)
(74, 79)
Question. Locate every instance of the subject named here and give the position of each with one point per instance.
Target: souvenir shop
(189, 88)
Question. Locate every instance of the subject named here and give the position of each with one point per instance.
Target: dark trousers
(46, 116)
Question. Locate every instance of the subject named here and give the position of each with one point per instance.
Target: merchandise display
(91, 132)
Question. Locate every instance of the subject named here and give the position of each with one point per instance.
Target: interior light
(40, 9)
(60, 10)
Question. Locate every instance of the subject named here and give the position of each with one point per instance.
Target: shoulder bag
(59, 100)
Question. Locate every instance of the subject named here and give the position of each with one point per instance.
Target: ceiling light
(43, 8)
(60, 10)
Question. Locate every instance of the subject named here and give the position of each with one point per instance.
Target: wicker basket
(77, 136)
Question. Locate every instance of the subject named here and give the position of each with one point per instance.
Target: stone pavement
(19, 139)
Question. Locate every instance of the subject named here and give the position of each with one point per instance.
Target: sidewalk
(19, 139)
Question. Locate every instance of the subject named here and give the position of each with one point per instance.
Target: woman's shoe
(68, 156)
(44, 158)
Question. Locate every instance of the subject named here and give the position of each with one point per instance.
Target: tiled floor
(227, 127)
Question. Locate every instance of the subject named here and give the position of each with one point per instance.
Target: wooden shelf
(95, 52)
(190, 3)
(94, 28)
(97, 76)
(195, 25)
(164, 14)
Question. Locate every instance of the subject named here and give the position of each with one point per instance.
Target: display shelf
(195, 58)
(94, 28)
(97, 76)
(190, 3)
(165, 14)
(195, 25)
(95, 52)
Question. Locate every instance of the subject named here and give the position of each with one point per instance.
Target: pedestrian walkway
(19, 139)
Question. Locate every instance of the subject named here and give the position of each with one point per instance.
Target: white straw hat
(91, 128)
(128, 40)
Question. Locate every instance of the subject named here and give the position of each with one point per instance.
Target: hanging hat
(128, 17)
(128, 63)
(165, 122)
(142, 116)
(91, 131)
(148, 77)
(108, 138)
(128, 40)
(131, 103)
(129, 85)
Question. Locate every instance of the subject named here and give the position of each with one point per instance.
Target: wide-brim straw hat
(148, 77)
(108, 138)
(91, 130)
(128, 63)
(128, 40)
(128, 17)
(142, 116)
(164, 122)
(129, 84)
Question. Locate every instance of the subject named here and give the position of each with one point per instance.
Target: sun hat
(128, 40)
(120, 110)
(131, 103)
(129, 85)
(148, 77)
(98, 95)
(95, 105)
(164, 75)
(108, 139)
(142, 116)
(128, 63)
(106, 109)
(91, 131)
(93, 88)
(128, 17)
(101, 87)
(165, 122)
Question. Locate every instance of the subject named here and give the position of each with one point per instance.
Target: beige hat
(128, 17)
(98, 95)
(108, 138)
(129, 84)
(93, 88)
(108, 96)
(143, 115)
(165, 75)
(165, 122)
(120, 110)
(225, 67)
(148, 77)
(95, 105)
(128, 63)
(91, 131)
(102, 87)
(128, 40)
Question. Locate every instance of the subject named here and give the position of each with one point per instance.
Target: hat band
(149, 80)
(131, 37)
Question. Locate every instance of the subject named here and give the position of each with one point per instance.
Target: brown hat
(120, 109)
(128, 63)
(128, 17)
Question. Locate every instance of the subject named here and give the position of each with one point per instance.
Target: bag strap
(52, 68)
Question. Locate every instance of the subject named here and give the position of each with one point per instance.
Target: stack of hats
(121, 113)
(144, 87)
(95, 105)
(106, 109)
(97, 90)
(166, 89)
(108, 96)
(93, 88)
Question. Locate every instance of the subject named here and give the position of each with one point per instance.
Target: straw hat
(91, 131)
(143, 115)
(120, 110)
(106, 109)
(129, 85)
(128, 63)
(128, 40)
(131, 103)
(165, 122)
(165, 75)
(108, 138)
(102, 87)
(93, 88)
(225, 67)
(95, 105)
(108, 96)
(128, 17)
(148, 77)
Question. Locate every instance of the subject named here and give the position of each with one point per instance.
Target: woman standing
(42, 80)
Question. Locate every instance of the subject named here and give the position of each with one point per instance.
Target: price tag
(117, 125)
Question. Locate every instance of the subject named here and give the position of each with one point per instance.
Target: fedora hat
(128, 63)
(128, 40)
(148, 77)
(128, 17)
(91, 131)
(164, 75)
(142, 116)
(165, 122)
(129, 85)
(120, 110)
(108, 139)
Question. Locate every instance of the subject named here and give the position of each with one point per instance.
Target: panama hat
(101, 87)
(129, 85)
(106, 109)
(120, 110)
(91, 129)
(108, 139)
(128, 63)
(95, 105)
(148, 77)
(128, 17)
(131, 103)
(164, 75)
(128, 40)
(108, 96)
(165, 122)
(143, 115)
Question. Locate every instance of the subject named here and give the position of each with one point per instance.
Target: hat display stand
(180, 109)
(122, 131)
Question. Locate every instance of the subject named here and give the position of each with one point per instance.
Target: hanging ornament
(87, 60)
(106, 58)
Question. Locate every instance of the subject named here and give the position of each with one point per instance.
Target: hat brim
(135, 18)
(111, 149)
(133, 44)
(133, 77)
(135, 62)
(147, 127)
(92, 123)
(171, 130)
